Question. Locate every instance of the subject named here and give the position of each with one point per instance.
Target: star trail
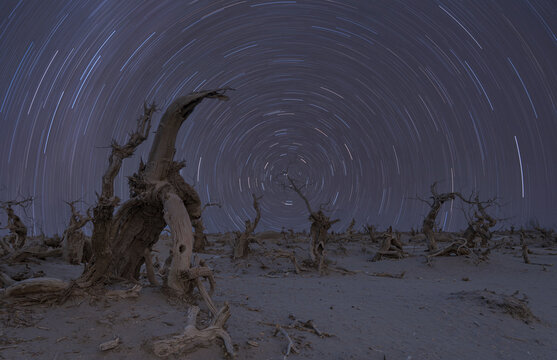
(365, 102)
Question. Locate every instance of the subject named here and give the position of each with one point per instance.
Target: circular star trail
(365, 103)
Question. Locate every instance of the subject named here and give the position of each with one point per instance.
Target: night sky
(366, 101)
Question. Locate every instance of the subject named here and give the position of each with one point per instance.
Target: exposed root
(289, 255)
(111, 344)
(508, 304)
(36, 286)
(391, 247)
(456, 248)
(195, 275)
(33, 252)
(124, 294)
(307, 326)
(343, 271)
(387, 275)
(192, 337)
(150, 269)
(291, 347)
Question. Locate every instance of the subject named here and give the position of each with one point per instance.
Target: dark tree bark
(320, 225)
(159, 197)
(391, 246)
(121, 242)
(73, 239)
(480, 224)
(199, 237)
(437, 200)
(241, 245)
(16, 227)
(350, 229)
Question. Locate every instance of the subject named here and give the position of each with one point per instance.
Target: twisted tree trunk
(437, 200)
(73, 239)
(18, 230)
(159, 196)
(241, 246)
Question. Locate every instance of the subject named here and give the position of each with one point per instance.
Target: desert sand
(452, 307)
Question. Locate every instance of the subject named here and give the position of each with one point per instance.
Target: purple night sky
(369, 101)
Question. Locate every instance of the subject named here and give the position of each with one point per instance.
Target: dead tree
(480, 224)
(370, 229)
(241, 245)
(16, 227)
(199, 236)
(159, 196)
(437, 200)
(350, 228)
(524, 247)
(73, 239)
(391, 246)
(320, 224)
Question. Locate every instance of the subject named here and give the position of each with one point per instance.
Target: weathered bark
(5, 280)
(391, 247)
(36, 286)
(149, 268)
(371, 231)
(524, 248)
(437, 200)
(199, 237)
(73, 239)
(105, 225)
(318, 230)
(350, 229)
(241, 245)
(16, 227)
(163, 148)
(119, 241)
(33, 251)
(289, 255)
(5, 247)
(192, 337)
(177, 218)
(480, 224)
(456, 248)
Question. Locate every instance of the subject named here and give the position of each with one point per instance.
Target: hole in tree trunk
(182, 248)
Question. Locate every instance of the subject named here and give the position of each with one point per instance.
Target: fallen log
(36, 286)
(192, 337)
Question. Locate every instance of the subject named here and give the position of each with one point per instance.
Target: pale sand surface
(434, 312)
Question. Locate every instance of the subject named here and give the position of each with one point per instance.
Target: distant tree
(17, 229)
(241, 245)
(320, 224)
(428, 226)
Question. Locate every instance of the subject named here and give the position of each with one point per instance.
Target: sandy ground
(444, 310)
